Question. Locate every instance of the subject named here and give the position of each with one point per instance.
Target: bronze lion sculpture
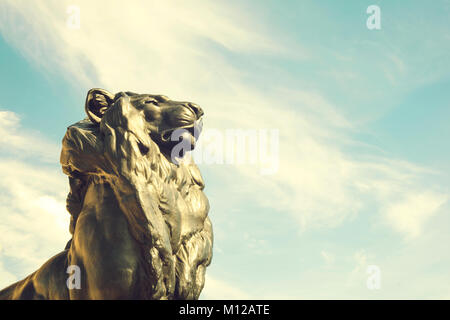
(139, 219)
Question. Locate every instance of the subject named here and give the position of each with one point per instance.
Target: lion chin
(139, 219)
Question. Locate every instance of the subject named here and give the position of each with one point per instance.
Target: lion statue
(139, 217)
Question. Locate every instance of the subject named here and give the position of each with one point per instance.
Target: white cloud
(171, 48)
(410, 214)
(357, 277)
(6, 277)
(218, 289)
(33, 218)
(18, 142)
(172, 39)
(360, 257)
(176, 48)
(328, 257)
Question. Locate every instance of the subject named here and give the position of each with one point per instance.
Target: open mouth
(193, 129)
(174, 135)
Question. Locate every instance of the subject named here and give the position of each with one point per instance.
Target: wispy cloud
(410, 214)
(328, 257)
(326, 177)
(218, 289)
(33, 219)
(169, 48)
(20, 142)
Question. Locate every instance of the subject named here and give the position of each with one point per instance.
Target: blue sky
(362, 118)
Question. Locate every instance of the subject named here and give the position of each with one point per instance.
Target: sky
(363, 171)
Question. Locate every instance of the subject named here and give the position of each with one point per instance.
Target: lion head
(155, 114)
(126, 143)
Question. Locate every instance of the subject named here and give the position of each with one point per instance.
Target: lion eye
(152, 101)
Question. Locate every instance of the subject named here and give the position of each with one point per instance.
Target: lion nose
(196, 108)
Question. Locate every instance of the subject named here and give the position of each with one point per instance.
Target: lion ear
(97, 102)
